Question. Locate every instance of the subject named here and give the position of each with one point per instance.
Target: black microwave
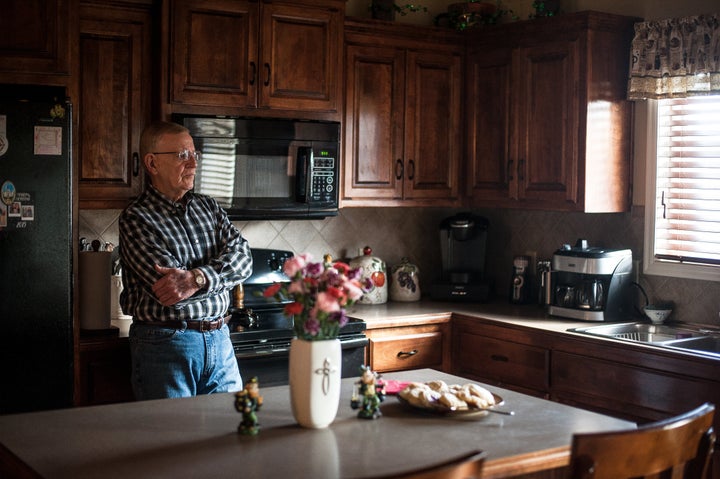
(259, 168)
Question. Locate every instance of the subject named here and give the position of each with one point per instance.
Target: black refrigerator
(36, 267)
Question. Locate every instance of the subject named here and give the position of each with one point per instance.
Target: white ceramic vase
(315, 373)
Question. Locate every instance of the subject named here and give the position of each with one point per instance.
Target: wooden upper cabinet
(114, 102)
(548, 125)
(402, 133)
(235, 56)
(35, 36)
(214, 52)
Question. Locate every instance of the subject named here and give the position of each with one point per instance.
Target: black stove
(261, 333)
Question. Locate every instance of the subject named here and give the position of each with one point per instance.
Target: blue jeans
(168, 362)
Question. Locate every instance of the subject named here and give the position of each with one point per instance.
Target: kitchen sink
(707, 344)
(640, 332)
(702, 341)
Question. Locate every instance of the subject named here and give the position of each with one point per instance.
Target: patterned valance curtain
(675, 58)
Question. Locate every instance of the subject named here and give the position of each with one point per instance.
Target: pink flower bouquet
(320, 293)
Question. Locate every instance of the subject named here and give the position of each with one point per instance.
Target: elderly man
(180, 257)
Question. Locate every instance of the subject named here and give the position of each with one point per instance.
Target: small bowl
(657, 314)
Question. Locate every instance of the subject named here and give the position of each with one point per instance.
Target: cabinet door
(374, 86)
(114, 103)
(214, 52)
(546, 124)
(432, 125)
(489, 95)
(35, 36)
(301, 62)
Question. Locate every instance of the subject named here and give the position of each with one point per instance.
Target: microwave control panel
(322, 179)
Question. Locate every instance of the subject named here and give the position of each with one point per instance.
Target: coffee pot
(590, 283)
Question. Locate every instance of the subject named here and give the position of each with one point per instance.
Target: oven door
(269, 361)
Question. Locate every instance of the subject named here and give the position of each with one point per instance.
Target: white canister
(373, 277)
(405, 281)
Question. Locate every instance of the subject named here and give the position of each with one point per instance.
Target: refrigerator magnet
(7, 192)
(48, 140)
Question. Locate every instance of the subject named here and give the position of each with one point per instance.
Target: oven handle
(349, 343)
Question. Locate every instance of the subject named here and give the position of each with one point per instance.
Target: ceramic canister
(405, 281)
(373, 277)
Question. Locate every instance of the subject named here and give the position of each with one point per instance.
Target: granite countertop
(196, 437)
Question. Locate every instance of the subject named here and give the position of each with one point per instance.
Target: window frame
(652, 265)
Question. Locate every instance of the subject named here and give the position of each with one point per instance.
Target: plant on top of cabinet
(260, 58)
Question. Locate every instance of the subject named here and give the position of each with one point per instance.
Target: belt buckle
(202, 326)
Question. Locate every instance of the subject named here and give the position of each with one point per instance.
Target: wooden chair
(467, 466)
(678, 447)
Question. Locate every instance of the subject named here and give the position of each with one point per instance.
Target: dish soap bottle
(405, 281)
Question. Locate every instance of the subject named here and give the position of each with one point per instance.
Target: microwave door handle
(303, 168)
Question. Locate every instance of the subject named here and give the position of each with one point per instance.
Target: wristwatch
(199, 278)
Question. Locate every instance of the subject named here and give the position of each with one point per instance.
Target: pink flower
(327, 302)
(297, 287)
(295, 264)
(353, 290)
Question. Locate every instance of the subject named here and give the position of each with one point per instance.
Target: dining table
(198, 437)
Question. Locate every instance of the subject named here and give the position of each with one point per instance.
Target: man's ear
(150, 165)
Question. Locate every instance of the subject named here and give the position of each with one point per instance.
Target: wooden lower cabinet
(103, 374)
(409, 347)
(626, 382)
(504, 357)
(623, 380)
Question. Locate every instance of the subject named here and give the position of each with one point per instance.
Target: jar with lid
(372, 276)
(405, 281)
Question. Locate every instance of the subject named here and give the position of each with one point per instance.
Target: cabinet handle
(411, 176)
(509, 170)
(407, 354)
(253, 73)
(521, 170)
(267, 70)
(136, 164)
(500, 358)
(399, 169)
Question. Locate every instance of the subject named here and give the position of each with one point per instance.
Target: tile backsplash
(393, 233)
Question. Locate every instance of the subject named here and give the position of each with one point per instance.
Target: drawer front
(395, 353)
(636, 392)
(503, 361)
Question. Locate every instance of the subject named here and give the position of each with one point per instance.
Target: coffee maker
(463, 240)
(591, 283)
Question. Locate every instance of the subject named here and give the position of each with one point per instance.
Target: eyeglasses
(183, 155)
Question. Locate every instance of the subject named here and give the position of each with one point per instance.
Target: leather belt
(201, 326)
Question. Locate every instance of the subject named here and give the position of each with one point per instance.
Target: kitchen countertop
(427, 311)
(196, 437)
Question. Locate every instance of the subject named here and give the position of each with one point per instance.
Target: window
(682, 217)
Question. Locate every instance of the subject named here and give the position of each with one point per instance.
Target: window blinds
(687, 218)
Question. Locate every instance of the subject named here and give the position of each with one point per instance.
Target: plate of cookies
(438, 397)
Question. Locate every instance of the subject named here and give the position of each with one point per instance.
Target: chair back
(467, 466)
(679, 447)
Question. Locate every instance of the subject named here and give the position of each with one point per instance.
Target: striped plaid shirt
(194, 233)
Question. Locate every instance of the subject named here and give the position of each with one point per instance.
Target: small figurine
(372, 393)
(248, 402)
